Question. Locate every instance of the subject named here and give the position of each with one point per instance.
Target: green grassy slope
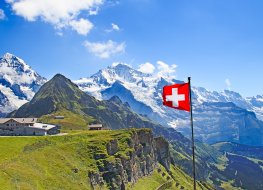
(54, 162)
(175, 179)
(71, 121)
(63, 162)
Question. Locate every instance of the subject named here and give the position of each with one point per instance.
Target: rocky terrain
(146, 153)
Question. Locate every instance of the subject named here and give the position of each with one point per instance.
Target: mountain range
(216, 164)
(218, 116)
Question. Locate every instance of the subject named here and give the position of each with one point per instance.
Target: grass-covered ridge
(55, 162)
(63, 162)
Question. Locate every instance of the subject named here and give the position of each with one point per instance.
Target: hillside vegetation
(64, 162)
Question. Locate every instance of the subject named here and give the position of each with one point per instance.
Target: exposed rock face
(144, 155)
(162, 152)
(112, 147)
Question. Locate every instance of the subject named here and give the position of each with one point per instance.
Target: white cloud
(105, 49)
(82, 26)
(147, 68)
(165, 69)
(94, 11)
(60, 13)
(114, 27)
(228, 84)
(59, 33)
(2, 14)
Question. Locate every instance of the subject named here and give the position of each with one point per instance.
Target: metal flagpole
(192, 126)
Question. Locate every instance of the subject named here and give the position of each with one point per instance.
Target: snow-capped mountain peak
(18, 82)
(16, 71)
(12, 61)
(214, 111)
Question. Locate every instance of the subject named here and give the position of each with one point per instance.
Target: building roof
(59, 116)
(19, 120)
(42, 126)
(95, 126)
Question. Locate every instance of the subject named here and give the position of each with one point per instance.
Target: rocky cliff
(144, 155)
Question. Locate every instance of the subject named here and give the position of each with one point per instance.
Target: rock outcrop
(144, 155)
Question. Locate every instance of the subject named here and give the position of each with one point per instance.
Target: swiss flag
(177, 96)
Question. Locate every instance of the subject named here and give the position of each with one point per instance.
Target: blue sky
(217, 42)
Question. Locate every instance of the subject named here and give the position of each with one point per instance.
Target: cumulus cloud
(105, 50)
(228, 84)
(147, 68)
(2, 14)
(165, 69)
(160, 69)
(82, 26)
(60, 13)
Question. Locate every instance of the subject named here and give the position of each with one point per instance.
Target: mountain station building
(26, 127)
(94, 127)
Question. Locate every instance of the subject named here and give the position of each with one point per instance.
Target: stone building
(26, 127)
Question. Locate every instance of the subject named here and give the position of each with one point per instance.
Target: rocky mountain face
(18, 83)
(219, 116)
(146, 154)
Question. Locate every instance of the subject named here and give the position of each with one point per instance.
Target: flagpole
(192, 127)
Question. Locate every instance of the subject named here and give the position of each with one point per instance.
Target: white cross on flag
(177, 96)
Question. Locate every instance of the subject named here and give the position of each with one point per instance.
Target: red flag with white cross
(177, 96)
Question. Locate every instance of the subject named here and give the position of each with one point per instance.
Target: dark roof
(19, 120)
